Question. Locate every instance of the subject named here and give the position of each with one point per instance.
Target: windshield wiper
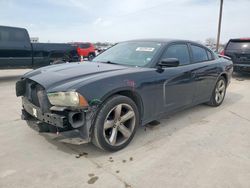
(110, 62)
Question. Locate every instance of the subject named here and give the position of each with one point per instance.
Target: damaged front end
(68, 123)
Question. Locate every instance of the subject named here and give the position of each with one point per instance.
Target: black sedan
(132, 83)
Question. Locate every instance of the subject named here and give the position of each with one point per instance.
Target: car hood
(70, 74)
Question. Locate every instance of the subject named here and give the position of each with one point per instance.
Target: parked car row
(131, 83)
(16, 50)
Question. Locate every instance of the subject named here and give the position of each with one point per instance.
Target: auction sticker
(145, 49)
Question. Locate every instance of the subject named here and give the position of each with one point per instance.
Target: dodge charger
(131, 84)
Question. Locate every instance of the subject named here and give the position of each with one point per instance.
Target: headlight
(70, 99)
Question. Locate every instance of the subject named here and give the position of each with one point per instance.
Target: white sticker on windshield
(145, 49)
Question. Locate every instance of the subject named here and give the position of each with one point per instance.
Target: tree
(210, 42)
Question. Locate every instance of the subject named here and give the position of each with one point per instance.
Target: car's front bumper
(60, 126)
(36, 112)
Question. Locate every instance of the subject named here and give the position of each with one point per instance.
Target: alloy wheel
(90, 57)
(119, 124)
(220, 91)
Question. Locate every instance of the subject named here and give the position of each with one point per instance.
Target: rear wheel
(115, 123)
(218, 93)
(55, 62)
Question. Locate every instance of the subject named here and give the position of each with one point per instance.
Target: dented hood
(70, 74)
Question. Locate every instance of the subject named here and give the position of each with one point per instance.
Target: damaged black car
(132, 83)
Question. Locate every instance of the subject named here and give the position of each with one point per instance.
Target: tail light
(244, 38)
(222, 52)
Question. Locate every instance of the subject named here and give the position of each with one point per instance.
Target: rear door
(205, 71)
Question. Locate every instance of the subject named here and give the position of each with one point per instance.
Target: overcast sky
(117, 20)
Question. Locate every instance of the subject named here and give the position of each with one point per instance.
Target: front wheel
(116, 123)
(218, 92)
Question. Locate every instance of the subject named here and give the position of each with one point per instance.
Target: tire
(91, 56)
(219, 92)
(115, 124)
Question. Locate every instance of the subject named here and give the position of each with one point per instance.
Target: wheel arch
(225, 76)
(135, 96)
(222, 74)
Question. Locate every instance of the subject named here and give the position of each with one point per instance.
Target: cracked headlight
(67, 99)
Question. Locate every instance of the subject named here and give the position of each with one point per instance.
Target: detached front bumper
(71, 127)
(35, 112)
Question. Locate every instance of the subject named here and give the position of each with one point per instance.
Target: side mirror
(169, 62)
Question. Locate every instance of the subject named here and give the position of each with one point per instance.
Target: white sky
(114, 20)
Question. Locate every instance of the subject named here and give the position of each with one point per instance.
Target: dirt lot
(199, 147)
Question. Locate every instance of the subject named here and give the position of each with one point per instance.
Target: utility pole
(219, 26)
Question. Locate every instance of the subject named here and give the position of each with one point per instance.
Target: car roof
(161, 40)
(10, 27)
(240, 39)
(166, 41)
(79, 42)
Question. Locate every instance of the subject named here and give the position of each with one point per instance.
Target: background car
(239, 51)
(16, 50)
(85, 49)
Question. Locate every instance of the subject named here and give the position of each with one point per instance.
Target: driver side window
(179, 51)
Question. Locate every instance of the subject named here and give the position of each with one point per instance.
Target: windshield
(130, 53)
(241, 45)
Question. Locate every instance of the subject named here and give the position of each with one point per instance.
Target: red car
(85, 50)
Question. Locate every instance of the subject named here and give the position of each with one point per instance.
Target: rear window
(199, 54)
(85, 45)
(12, 35)
(4, 35)
(210, 56)
(239, 45)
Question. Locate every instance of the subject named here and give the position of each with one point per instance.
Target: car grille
(36, 94)
(31, 92)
